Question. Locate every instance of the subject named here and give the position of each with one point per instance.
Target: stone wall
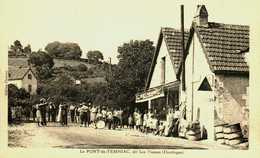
(232, 99)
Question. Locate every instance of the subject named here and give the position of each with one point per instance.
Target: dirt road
(53, 136)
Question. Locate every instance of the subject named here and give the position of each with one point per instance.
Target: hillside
(94, 74)
(20, 61)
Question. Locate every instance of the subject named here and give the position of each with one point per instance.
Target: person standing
(65, 115)
(137, 119)
(109, 118)
(77, 112)
(83, 115)
(51, 112)
(130, 122)
(145, 122)
(88, 114)
(59, 119)
(34, 112)
(72, 112)
(42, 107)
(38, 115)
(93, 113)
(48, 111)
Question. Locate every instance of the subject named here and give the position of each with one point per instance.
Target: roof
(225, 46)
(172, 39)
(16, 73)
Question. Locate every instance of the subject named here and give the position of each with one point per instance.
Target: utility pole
(183, 48)
(109, 78)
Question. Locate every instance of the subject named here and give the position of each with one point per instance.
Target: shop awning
(155, 92)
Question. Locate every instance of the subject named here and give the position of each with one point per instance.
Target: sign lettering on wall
(148, 95)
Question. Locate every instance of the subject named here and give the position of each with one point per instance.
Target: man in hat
(83, 115)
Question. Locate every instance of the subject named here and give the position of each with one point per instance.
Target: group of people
(83, 114)
(87, 115)
(151, 122)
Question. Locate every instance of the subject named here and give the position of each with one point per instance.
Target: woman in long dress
(59, 114)
(38, 115)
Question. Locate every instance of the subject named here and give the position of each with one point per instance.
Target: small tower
(201, 17)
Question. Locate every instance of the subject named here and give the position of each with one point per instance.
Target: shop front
(160, 98)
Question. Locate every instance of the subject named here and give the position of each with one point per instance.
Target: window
(29, 88)
(205, 86)
(163, 70)
(29, 76)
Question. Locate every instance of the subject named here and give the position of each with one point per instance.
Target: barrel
(233, 134)
(219, 133)
(194, 133)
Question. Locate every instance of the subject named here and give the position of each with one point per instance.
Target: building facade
(23, 78)
(217, 73)
(162, 85)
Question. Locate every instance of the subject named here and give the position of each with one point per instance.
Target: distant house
(217, 73)
(23, 78)
(162, 85)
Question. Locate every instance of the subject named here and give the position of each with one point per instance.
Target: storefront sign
(149, 95)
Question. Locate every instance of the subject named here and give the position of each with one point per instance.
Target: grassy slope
(58, 63)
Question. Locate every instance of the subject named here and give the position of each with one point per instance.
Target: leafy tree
(23, 94)
(12, 94)
(64, 50)
(27, 50)
(44, 72)
(94, 57)
(81, 67)
(16, 95)
(131, 71)
(16, 49)
(43, 63)
(41, 58)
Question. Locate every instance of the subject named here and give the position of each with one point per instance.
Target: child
(130, 122)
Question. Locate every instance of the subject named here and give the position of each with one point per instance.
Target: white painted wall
(33, 82)
(194, 98)
(17, 83)
(170, 74)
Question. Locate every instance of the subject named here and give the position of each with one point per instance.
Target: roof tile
(225, 46)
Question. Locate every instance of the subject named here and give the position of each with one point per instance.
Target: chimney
(201, 17)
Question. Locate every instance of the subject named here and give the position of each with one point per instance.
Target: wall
(199, 104)
(17, 83)
(232, 97)
(32, 82)
(170, 74)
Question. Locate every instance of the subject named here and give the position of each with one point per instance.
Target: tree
(64, 50)
(41, 58)
(27, 50)
(94, 57)
(16, 49)
(12, 94)
(43, 63)
(131, 72)
(81, 67)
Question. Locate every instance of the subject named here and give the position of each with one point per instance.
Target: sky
(106, 24)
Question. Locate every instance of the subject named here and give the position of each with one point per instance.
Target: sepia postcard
(129, 78)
